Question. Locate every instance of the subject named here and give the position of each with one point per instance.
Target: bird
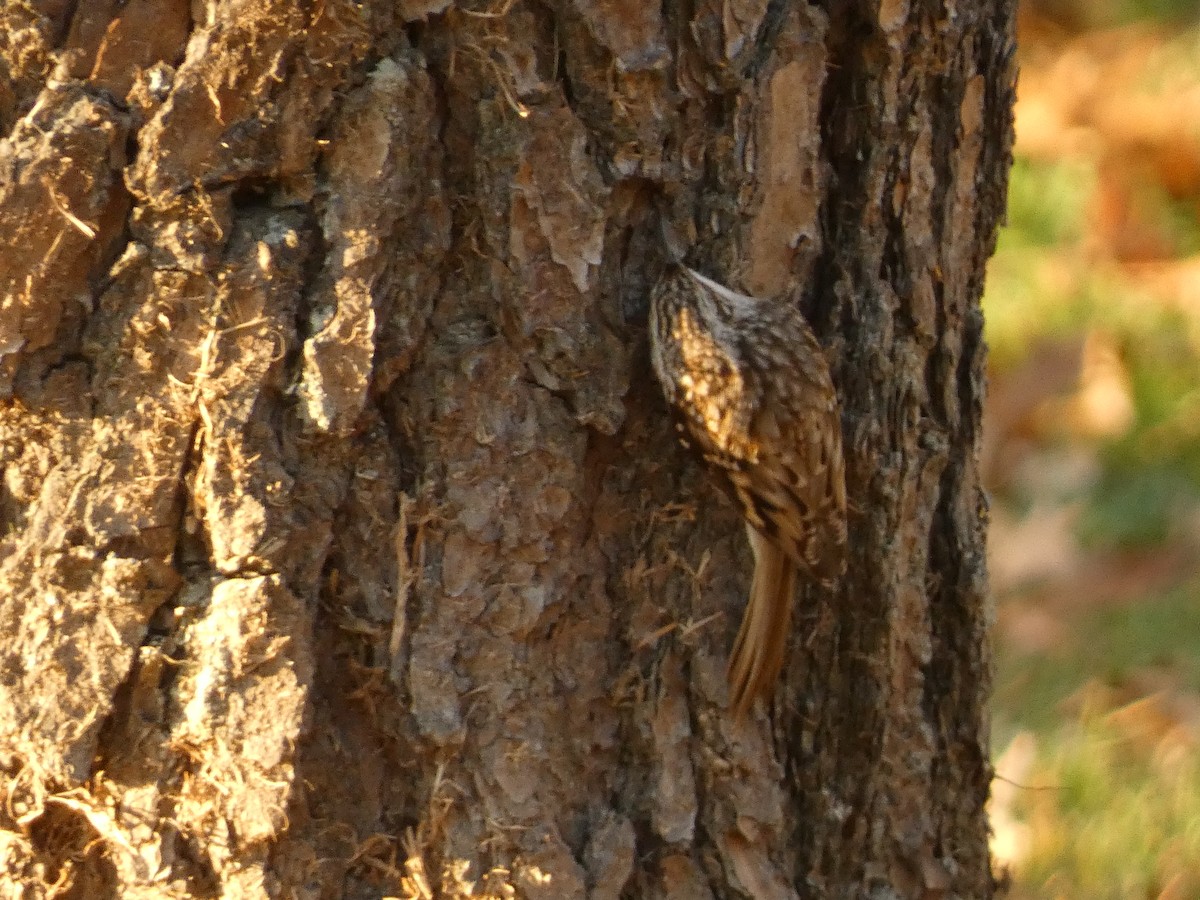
(752, 394)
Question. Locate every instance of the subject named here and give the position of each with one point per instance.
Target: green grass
(1164, 11)
(1136, 508)
(1112, 803)
(1112, 644)
(1112, 812)
(1107, 13)
(1095, 842)
(1043, 284)
(1036, 285)
(1151, 480)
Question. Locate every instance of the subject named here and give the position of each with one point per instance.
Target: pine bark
(345, 547)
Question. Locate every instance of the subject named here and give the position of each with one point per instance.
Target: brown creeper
(752, 390)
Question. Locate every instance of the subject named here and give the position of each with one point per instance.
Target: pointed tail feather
(758, 652)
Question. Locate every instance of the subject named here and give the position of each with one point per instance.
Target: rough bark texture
(345, 549)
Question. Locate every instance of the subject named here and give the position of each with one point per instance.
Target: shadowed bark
(346, 549)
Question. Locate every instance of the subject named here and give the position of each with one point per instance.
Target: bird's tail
(761, 643)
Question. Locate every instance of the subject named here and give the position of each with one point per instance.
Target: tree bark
(347, 551)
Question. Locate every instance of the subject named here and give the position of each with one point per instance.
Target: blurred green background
(1092, 456)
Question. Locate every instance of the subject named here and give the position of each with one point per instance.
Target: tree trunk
(346, 550)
